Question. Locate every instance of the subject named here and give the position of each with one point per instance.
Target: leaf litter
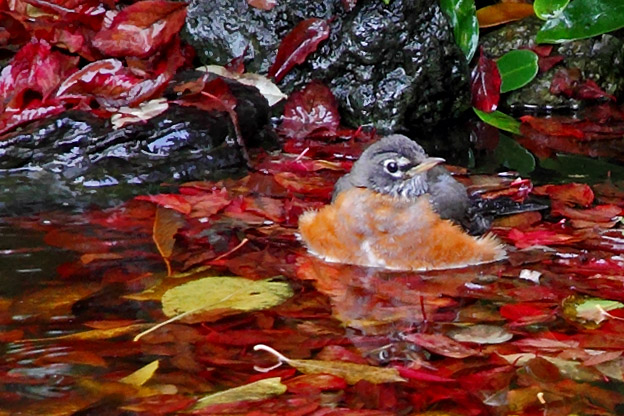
(540, 332)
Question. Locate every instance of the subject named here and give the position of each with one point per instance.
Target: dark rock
(600, 59)
(393, 66)
(70, 158)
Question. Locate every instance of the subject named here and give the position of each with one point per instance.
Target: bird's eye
(391, 166)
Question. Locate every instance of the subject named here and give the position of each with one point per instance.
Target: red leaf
(349, 4)
(545, 63)
(552, 127)
(485, 84)
(34, 111)
(599, 213)
(313, 109)
(569, 194)
(111, 84)
(35, 68)
(567, 81)
(524, 239)
(175, 202)
(421, 375)
(141, 28)
(441, 344)
(262, 4)
(312, 186)
(314, 383)
(300, 42)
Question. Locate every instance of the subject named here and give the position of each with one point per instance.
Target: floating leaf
(258, 390)
(142, 375)
(462, 14)
(481, 334)
(500, 13)
(588, 310)
(98, 334)
(517, 68)
(583, 19)
(499, 120)
(350, 372)
(225, 292)
(441, 344)
(512, 155)
(549, 9)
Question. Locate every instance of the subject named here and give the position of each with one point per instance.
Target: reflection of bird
(395, 210)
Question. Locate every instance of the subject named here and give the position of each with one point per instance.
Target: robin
(397, 209)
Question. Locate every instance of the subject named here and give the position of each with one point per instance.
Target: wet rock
(600, 59)
(393, 66)
(77, 158)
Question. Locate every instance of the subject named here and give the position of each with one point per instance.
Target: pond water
(538, 333)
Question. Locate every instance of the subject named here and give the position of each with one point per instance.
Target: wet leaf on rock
(310, 110)
(223, 293)
(141, 28)
(583, 19)
(485, 84)
(462, 15)
(258, 390)
(300, 42)
(549, 9)
(500, 13)
(517, 68)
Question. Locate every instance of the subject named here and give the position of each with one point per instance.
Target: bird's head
(395, 165)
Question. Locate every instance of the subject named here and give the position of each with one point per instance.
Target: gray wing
(342, 184)
(449, 197)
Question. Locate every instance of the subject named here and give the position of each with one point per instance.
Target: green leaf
(583, 19)
(588, 310)
(224, 292)
(499, 120)
(578, 167)
(517, 68)
(512, 155)
(463, 18)
(549, 9)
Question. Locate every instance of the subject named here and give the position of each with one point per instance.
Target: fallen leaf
(588, 310)
(481, 334)
(142, 375)
(223, 292)
(258, 390)
(167, 222)
(350, 372)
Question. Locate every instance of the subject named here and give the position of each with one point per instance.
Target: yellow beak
(425, 165)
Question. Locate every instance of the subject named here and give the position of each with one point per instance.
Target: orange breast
(366, 228)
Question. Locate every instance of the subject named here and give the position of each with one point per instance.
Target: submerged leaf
(223, 292)
(142, 375)
(167, 222)
(258, 390)
(512, 155)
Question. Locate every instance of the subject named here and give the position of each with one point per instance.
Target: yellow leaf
(350, 372)
(142, 375)
(222, 292)
(258, 390)
(97, 334)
